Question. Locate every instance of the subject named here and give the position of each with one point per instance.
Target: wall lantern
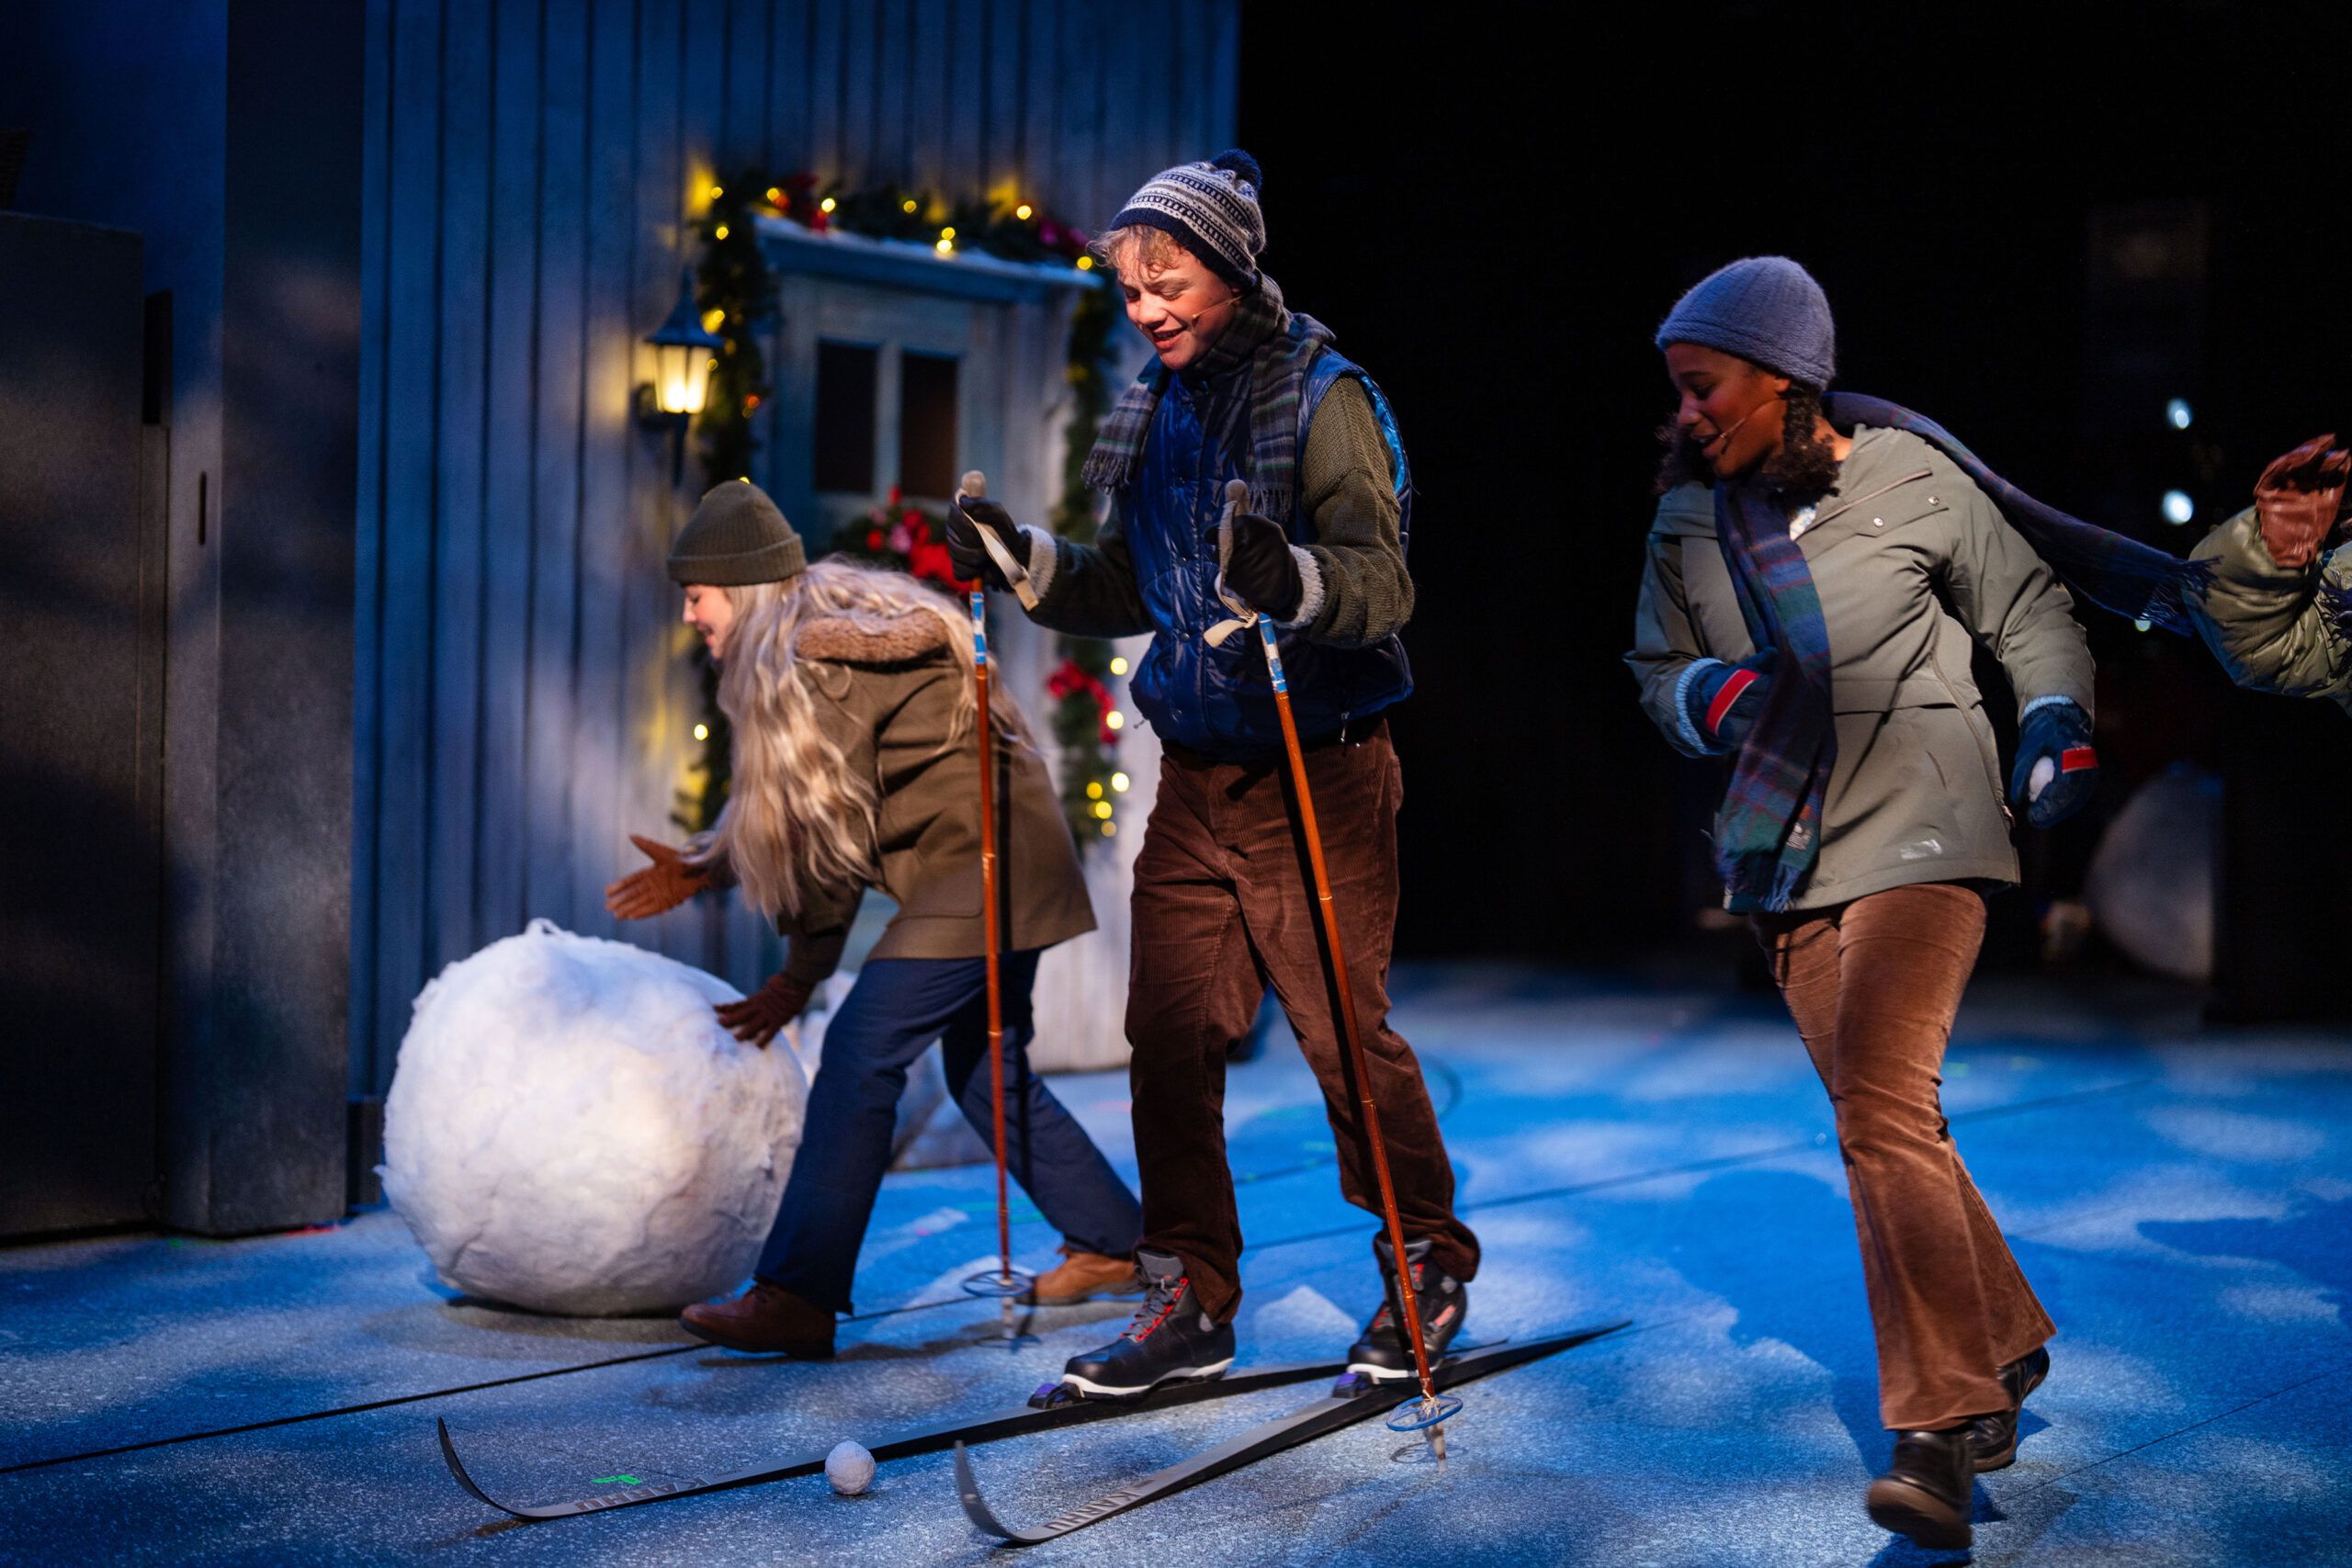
(683, 355)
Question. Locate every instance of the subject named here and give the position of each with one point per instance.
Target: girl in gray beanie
(1810, 595)
(849, 695)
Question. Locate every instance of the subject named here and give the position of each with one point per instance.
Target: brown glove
(761, 1016)
(2297, 498)
(651, 890)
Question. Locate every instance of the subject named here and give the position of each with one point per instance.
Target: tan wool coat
(1913, 562)
(888, 700)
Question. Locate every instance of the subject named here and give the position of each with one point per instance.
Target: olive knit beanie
(1211, 209)
(1767, 309)
(735, 538)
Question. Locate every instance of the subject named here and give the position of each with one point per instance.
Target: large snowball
(570, 1129)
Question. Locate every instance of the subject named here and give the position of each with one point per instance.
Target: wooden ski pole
(1006, 1284)
(1433, 1411)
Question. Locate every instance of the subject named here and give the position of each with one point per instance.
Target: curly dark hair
(1804, 468)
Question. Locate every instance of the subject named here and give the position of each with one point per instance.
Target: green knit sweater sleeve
(1359, 590)
(1088, 590)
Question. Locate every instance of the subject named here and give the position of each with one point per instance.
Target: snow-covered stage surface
(2182, 1199)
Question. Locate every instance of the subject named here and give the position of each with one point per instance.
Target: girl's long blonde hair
(797, 815)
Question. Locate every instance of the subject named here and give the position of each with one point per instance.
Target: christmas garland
(737, 294)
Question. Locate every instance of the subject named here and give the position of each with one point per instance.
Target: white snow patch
(570, 1128)
(2236, 1135)
(1304, 1314)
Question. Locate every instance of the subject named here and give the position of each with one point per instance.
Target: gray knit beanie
(735, 538)
(1211, 209)
(1767, 309)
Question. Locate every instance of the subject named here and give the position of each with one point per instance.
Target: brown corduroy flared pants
(1223, 908)
(1873, 985)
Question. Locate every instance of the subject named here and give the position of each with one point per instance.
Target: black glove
(1260, 568)
(966, 516)
(2060, 734)
(1723, 704)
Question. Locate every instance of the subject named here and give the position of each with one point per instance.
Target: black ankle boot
(1927, 1490)
(1994, 1438)
(1382, 1351)
(1170, 1338)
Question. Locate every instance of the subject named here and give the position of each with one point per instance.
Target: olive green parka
(1913, 562)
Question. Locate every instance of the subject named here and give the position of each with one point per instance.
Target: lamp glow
(682, 356)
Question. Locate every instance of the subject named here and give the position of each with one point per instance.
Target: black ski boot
(1382, 1352)
(1169, 1339)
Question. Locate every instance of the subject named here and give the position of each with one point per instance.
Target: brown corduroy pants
(1224, 906)
(1873, 985)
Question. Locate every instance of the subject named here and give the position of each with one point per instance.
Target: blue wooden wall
(524, 699)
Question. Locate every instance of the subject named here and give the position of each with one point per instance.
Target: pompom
(1241, 163)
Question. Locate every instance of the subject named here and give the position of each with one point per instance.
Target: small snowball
(850, 1468)
(571, 1130)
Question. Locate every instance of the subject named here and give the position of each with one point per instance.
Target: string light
(720, 231)
(1116, 719)
(826, 204)
(1103, 809)
(1110, 830)
(1120, 782)
(702, 732)
(945, 247)
(717, 191)
(1086, 263)
(908, 205)
(1093, 790)
(948, 232)
(1023, 212)
(714, 318)
(776, 196)
(1119, 666)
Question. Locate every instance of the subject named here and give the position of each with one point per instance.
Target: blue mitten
(2057, 770)
(1724, 701)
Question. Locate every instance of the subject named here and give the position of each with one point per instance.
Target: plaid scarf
(1768, 830)
(1277, 344)
(2119, 574)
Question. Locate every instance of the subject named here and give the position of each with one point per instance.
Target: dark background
(2035, 231)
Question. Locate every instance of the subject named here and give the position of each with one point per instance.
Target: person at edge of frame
(1242, 387)
(1807, 609)
(2278, 609)
(850, 698)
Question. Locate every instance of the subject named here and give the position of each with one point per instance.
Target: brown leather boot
(1082, 1277)
(765, 1320)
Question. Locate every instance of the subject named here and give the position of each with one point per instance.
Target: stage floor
(2181, 1198)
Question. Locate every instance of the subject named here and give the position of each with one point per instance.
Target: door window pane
(846, 377)
(927, 425)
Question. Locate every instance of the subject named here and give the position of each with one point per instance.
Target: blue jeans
(896, 1010)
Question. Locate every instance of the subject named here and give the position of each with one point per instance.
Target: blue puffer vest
(1218, 701)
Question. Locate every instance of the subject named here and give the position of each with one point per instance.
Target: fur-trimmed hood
(841, 641)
